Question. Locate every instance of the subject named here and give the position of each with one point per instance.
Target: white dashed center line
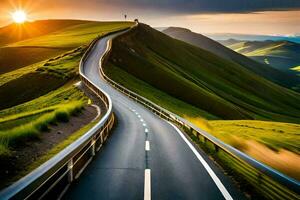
(147, 186)
(147, 145)
(147, 181)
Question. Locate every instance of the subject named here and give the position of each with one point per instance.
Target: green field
(37, 89)
(200, 86)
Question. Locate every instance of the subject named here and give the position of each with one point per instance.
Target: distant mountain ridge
(282, 55)
(275, 75)
(248, 37)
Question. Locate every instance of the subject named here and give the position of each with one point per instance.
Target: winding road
(146, 157)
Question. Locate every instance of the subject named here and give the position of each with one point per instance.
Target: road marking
(147, 145)
(217, 181)
(144, 124)
(147, 186)
(139, 116)
(146, 130)
(142, 120)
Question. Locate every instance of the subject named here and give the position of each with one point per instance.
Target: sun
(19, 16)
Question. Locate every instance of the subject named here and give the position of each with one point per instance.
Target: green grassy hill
(282, 55)
(197, 84)
(37, 88)
(215, 85)
(17, 32)
(58, 42)
(287, 79)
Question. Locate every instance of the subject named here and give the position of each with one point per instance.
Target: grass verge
(32, 129)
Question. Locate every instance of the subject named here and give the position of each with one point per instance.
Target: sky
(270, 17)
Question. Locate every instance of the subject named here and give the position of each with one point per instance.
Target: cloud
(210, 6)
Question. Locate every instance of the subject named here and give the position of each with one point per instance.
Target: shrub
(62, 116)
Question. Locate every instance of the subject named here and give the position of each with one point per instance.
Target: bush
(62, 116)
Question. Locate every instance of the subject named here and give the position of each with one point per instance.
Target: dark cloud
(198, 6)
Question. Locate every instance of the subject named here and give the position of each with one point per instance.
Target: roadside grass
(250, 180)
(52, 152)
(7, 123)
(26, 121)
(274, 135)
(31, 130)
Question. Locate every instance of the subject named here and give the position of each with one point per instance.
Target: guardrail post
(70, 173)
(93, 151)
(216, 148)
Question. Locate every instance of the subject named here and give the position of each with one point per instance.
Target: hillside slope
(282, 55)
(218, 86)
(45, 61)
(18, 32)
(284, 79)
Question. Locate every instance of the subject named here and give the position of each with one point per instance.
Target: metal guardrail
(51, 179)
(282, 186)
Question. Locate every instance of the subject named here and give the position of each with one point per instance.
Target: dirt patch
(30, 151)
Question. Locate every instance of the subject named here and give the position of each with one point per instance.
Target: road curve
(146, 157)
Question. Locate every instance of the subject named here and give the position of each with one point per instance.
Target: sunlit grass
(74, 36)
(296, 68)
(275, 135)
(273, 143)
(32, 129)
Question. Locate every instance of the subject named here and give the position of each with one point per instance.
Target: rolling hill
(282, 55)
(216, 86)
(42, 57)
(17, 32)
(289, 80)
(197, 84)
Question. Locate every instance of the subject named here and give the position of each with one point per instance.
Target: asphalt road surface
(146, 157)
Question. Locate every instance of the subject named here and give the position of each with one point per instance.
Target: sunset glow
(19, 16)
